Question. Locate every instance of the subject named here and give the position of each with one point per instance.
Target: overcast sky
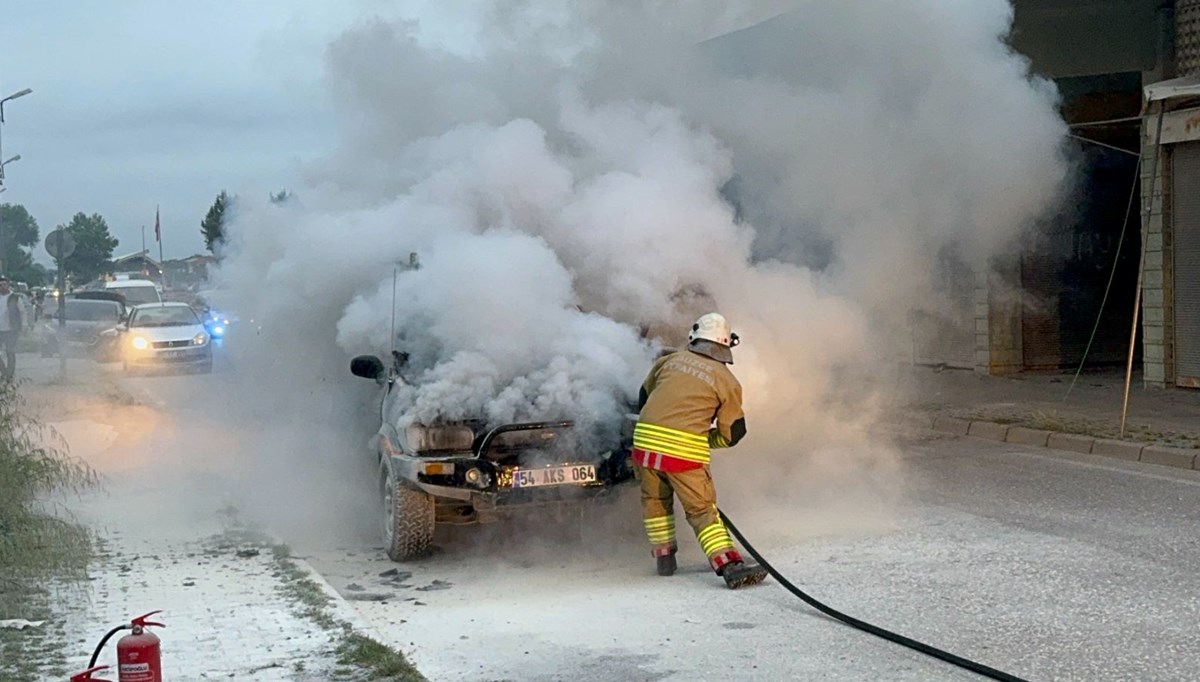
(139, 103)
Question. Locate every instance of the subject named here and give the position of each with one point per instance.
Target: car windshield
(90, 311)
(137, 295)
(166, 316)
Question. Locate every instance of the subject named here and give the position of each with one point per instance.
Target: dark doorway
(1066, 270)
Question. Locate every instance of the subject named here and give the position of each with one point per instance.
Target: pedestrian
(10, 327)
(689, 404)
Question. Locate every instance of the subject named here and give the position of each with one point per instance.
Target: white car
(135, 291)
(164, 335)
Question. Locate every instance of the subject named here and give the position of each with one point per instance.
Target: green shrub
(38, 539)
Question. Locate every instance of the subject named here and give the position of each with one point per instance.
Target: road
(1047, 566)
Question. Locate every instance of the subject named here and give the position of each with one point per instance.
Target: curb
(342, 609)
(1128, 450)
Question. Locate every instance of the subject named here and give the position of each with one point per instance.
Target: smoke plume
(579, 180)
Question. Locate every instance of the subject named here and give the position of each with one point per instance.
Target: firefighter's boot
(740, 574)
(666, 563)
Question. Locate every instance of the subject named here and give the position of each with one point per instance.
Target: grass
(39, 543)
(382, 662)
(360, 656)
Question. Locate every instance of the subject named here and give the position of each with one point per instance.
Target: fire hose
(913, 644)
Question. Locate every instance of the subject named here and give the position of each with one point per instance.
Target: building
(137, 265)
(1077, 279)
(185, 273)
(1171, 285)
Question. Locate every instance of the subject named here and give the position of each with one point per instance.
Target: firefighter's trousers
(699, 499)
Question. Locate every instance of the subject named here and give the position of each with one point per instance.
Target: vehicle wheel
(408, 518)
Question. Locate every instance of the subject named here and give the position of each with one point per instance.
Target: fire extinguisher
(138, 656)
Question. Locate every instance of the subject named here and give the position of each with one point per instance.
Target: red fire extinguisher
(138, 657)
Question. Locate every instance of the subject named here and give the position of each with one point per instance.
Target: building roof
(143, 254)
(1175, 88)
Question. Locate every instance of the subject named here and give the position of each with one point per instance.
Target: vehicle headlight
(139, 343)
(200, 339)
(218, 330)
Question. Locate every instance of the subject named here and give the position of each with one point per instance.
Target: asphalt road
(1049, 567)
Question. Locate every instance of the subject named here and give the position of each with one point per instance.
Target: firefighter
(689, 404)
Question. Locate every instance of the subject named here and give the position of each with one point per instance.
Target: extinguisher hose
(104, 640)
(926, 649)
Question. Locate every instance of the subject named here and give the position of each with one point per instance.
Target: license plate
(575, 474)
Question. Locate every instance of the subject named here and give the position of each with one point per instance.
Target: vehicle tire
(408, 517)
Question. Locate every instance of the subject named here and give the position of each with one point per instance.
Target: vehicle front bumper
(170, 357)
(611, 472)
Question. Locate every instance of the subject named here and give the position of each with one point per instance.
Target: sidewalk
(1163, 426)
(236, 605)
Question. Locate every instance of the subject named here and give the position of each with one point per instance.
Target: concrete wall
(1157, 336)
(998, 341)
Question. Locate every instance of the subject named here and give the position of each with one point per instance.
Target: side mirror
(367, 367)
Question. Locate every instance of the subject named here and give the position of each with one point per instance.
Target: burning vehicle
(467, 471)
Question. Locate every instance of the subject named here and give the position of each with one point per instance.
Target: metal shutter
(1185, 219)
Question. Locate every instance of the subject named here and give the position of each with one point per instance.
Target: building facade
(1067, 299)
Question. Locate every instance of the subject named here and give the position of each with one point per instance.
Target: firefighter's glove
(716, 440)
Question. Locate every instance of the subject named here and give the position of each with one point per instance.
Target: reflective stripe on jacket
(657, 443)
(684, 393)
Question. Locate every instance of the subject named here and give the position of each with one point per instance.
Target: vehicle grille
(172, 344)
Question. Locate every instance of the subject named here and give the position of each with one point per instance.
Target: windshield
(173, 316)
(137, 294)
(90, 311)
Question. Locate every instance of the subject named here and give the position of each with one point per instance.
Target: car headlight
(200, 339)
(139, 343)
(218, 330)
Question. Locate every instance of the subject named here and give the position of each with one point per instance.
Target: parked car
(76, 327)
(467, 471)
(163, 335)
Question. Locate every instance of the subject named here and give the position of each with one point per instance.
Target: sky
(139, 104)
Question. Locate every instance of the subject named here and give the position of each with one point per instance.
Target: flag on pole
(157, 227)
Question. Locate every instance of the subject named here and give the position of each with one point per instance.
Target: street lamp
(13, 96)
(2, 165)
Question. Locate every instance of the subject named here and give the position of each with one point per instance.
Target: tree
(213, 225)
(17, 229)
(93, 247)
(281, 196)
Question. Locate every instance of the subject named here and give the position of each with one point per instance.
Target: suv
(467, 471)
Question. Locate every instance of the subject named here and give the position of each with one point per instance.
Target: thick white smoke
(566, 185)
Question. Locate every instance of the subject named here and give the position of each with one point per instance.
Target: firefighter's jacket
(681, 397)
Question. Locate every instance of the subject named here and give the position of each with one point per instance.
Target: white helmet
(713, 327)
